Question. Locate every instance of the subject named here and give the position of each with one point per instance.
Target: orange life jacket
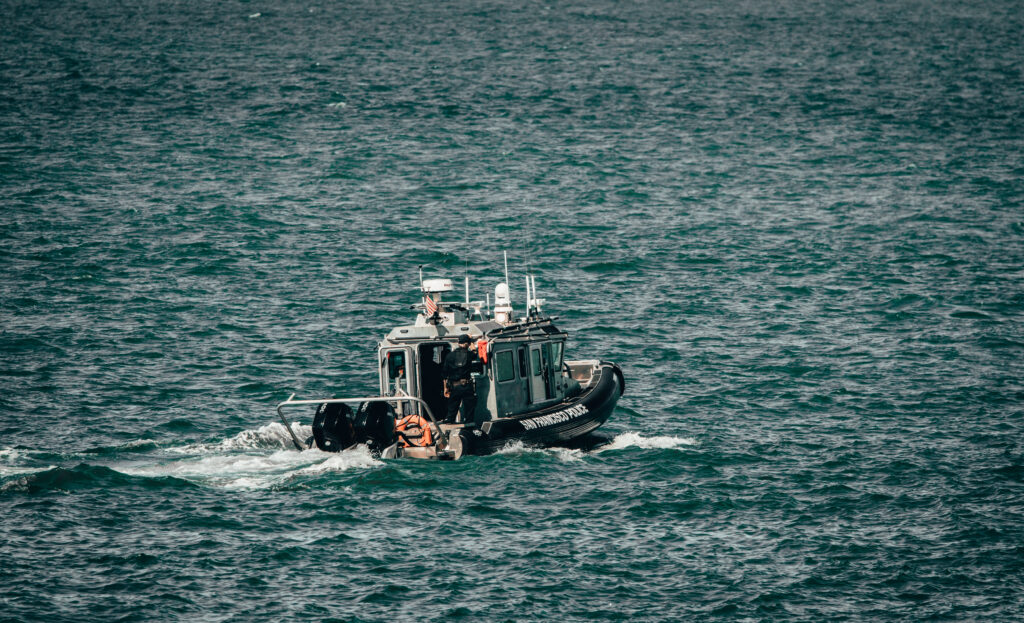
(414, 430)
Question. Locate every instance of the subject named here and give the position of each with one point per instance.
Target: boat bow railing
(395, 399)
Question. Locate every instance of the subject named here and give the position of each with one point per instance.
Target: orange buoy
(414, 430)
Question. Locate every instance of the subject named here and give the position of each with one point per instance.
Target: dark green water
(797, 226)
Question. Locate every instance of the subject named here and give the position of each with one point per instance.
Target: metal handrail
(395, 399)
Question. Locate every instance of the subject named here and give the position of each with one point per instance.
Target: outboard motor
(337, 428)
(375, 425)
(333, 430)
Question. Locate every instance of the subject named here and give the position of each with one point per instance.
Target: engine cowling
(333, 429)
(374, 425)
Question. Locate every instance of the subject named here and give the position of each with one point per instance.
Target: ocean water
(797, 226)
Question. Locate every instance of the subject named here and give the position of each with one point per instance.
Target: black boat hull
(556, 425)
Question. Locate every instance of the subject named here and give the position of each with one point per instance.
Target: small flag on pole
(430, 305)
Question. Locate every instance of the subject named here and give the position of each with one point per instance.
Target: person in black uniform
(458, 368)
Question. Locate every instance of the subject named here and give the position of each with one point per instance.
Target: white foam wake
(636, 440)
(268, 437)
(567, 455)
(252, 459)
(254, 471)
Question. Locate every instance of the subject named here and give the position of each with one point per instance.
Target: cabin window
(535, 358)
(506, 368)
(556, 355)
(522, 363)
(396, 364)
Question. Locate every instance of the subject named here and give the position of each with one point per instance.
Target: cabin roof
(529, 329)
(493, 331)
(414, 333)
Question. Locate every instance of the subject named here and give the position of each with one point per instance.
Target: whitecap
(513, 447)
(516, 447)
(7, 471)
(9, 463)
(10, 454)
(636, 440)
(567, 455)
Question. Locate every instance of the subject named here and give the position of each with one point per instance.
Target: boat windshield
(556, 355)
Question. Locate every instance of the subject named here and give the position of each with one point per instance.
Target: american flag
(430, 305)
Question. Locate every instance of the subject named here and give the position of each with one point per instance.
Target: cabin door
(431, 358)
(538, 388)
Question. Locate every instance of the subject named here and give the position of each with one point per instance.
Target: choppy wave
(795, 225)
(18, 461)
(6, 471)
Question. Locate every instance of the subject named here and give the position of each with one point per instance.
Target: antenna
(506, 266)
(467, 291)
(421, 277)
(532, 291)
(527, 296)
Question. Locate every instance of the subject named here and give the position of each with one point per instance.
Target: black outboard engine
(337, 428)
(375, 425)
(332, 427)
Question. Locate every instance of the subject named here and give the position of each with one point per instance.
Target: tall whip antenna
(527, 296)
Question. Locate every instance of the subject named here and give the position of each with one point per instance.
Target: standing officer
(459, 366)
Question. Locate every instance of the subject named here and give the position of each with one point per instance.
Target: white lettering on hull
(555, 418)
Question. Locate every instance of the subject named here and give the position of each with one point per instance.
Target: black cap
(465, 339)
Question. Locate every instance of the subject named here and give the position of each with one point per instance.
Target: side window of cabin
(505, 367)
(396, 364)
(556, 356)
(536, 362)
(522, 363)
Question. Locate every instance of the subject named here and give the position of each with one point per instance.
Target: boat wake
(516, 447)
(248, 470)
(621, 441)
(253, 459)
(658, 442)
(263, 458)
(272, 436)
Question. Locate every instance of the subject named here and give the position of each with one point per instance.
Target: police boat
(525, 389)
